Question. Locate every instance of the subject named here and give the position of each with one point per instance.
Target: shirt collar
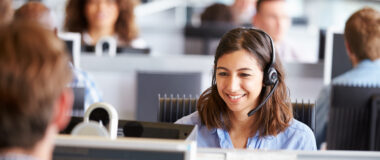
(367, 62)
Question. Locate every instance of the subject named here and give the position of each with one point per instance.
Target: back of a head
(6, 11)
(217, 13)
(34, 72)
(35, 11)
(362, 33)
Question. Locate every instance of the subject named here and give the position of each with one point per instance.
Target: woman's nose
(233, 84)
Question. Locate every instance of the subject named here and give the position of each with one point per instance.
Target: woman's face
(239, 80)
(101, 13)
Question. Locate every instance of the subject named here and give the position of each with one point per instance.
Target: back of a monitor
(336, 58)
(79, 148)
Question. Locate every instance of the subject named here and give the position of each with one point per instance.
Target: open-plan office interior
(145, 90)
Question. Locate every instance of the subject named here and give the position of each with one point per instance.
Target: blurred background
(162, 22)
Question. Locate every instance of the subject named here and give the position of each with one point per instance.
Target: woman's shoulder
(298, 136)
(297, 126)
(192, 119)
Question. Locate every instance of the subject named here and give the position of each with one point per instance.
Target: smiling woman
(104, 18)
(247, 77)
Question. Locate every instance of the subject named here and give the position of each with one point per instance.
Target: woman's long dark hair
(275, 115)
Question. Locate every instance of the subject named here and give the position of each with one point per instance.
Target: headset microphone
(270, 74)
(250, 113)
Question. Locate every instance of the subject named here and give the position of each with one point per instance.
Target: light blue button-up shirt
(297, 136)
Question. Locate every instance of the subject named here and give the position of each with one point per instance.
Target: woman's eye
(244, 75)
(222, 74)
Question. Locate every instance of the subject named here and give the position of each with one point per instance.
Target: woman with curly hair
(103, 18)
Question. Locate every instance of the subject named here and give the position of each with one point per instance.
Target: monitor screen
(79, 148)
(79, 98)
(73, 44)
(336, 58)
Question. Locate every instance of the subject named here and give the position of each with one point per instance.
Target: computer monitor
(79, 148)
(119, 49)
(354, 123)
(130, 128)
(79, 99)
(73, 44)
(204, 39)
(336, 58)
(322, 43)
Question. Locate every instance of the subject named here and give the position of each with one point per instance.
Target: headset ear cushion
(270, 77)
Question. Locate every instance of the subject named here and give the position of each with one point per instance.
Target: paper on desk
(276, 155)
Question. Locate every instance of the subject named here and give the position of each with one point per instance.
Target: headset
(270, 73)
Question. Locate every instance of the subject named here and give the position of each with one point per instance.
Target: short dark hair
(276, 113)
(217, 13)
(34, 71)
(362, 33)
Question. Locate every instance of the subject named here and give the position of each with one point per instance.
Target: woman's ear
(63, 108)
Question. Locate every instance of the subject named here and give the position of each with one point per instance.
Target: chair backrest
(305, 112)
(354, 123)
(171, 108)
(149, 85)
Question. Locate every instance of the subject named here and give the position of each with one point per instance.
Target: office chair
(150, 84)
(305, 112)
(354, 123)
(171, 108)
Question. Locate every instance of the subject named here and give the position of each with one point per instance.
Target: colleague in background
(6, 11)
(218, 14)
(34, 100)
(362, 39)
(38, 12)
(239, 84)
(96, 19)
(272, 16)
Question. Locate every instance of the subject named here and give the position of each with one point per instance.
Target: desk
(227, 154)
(116, 76)
(145, 148)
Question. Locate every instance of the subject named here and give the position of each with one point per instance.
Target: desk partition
(117, 76)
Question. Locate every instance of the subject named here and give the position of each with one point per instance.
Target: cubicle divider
(116, 77)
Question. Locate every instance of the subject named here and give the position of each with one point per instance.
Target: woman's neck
(242, 127)
(240, 120)
(97, 33)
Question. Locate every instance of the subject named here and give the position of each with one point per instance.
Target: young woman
(247, 77)
(96, 19)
